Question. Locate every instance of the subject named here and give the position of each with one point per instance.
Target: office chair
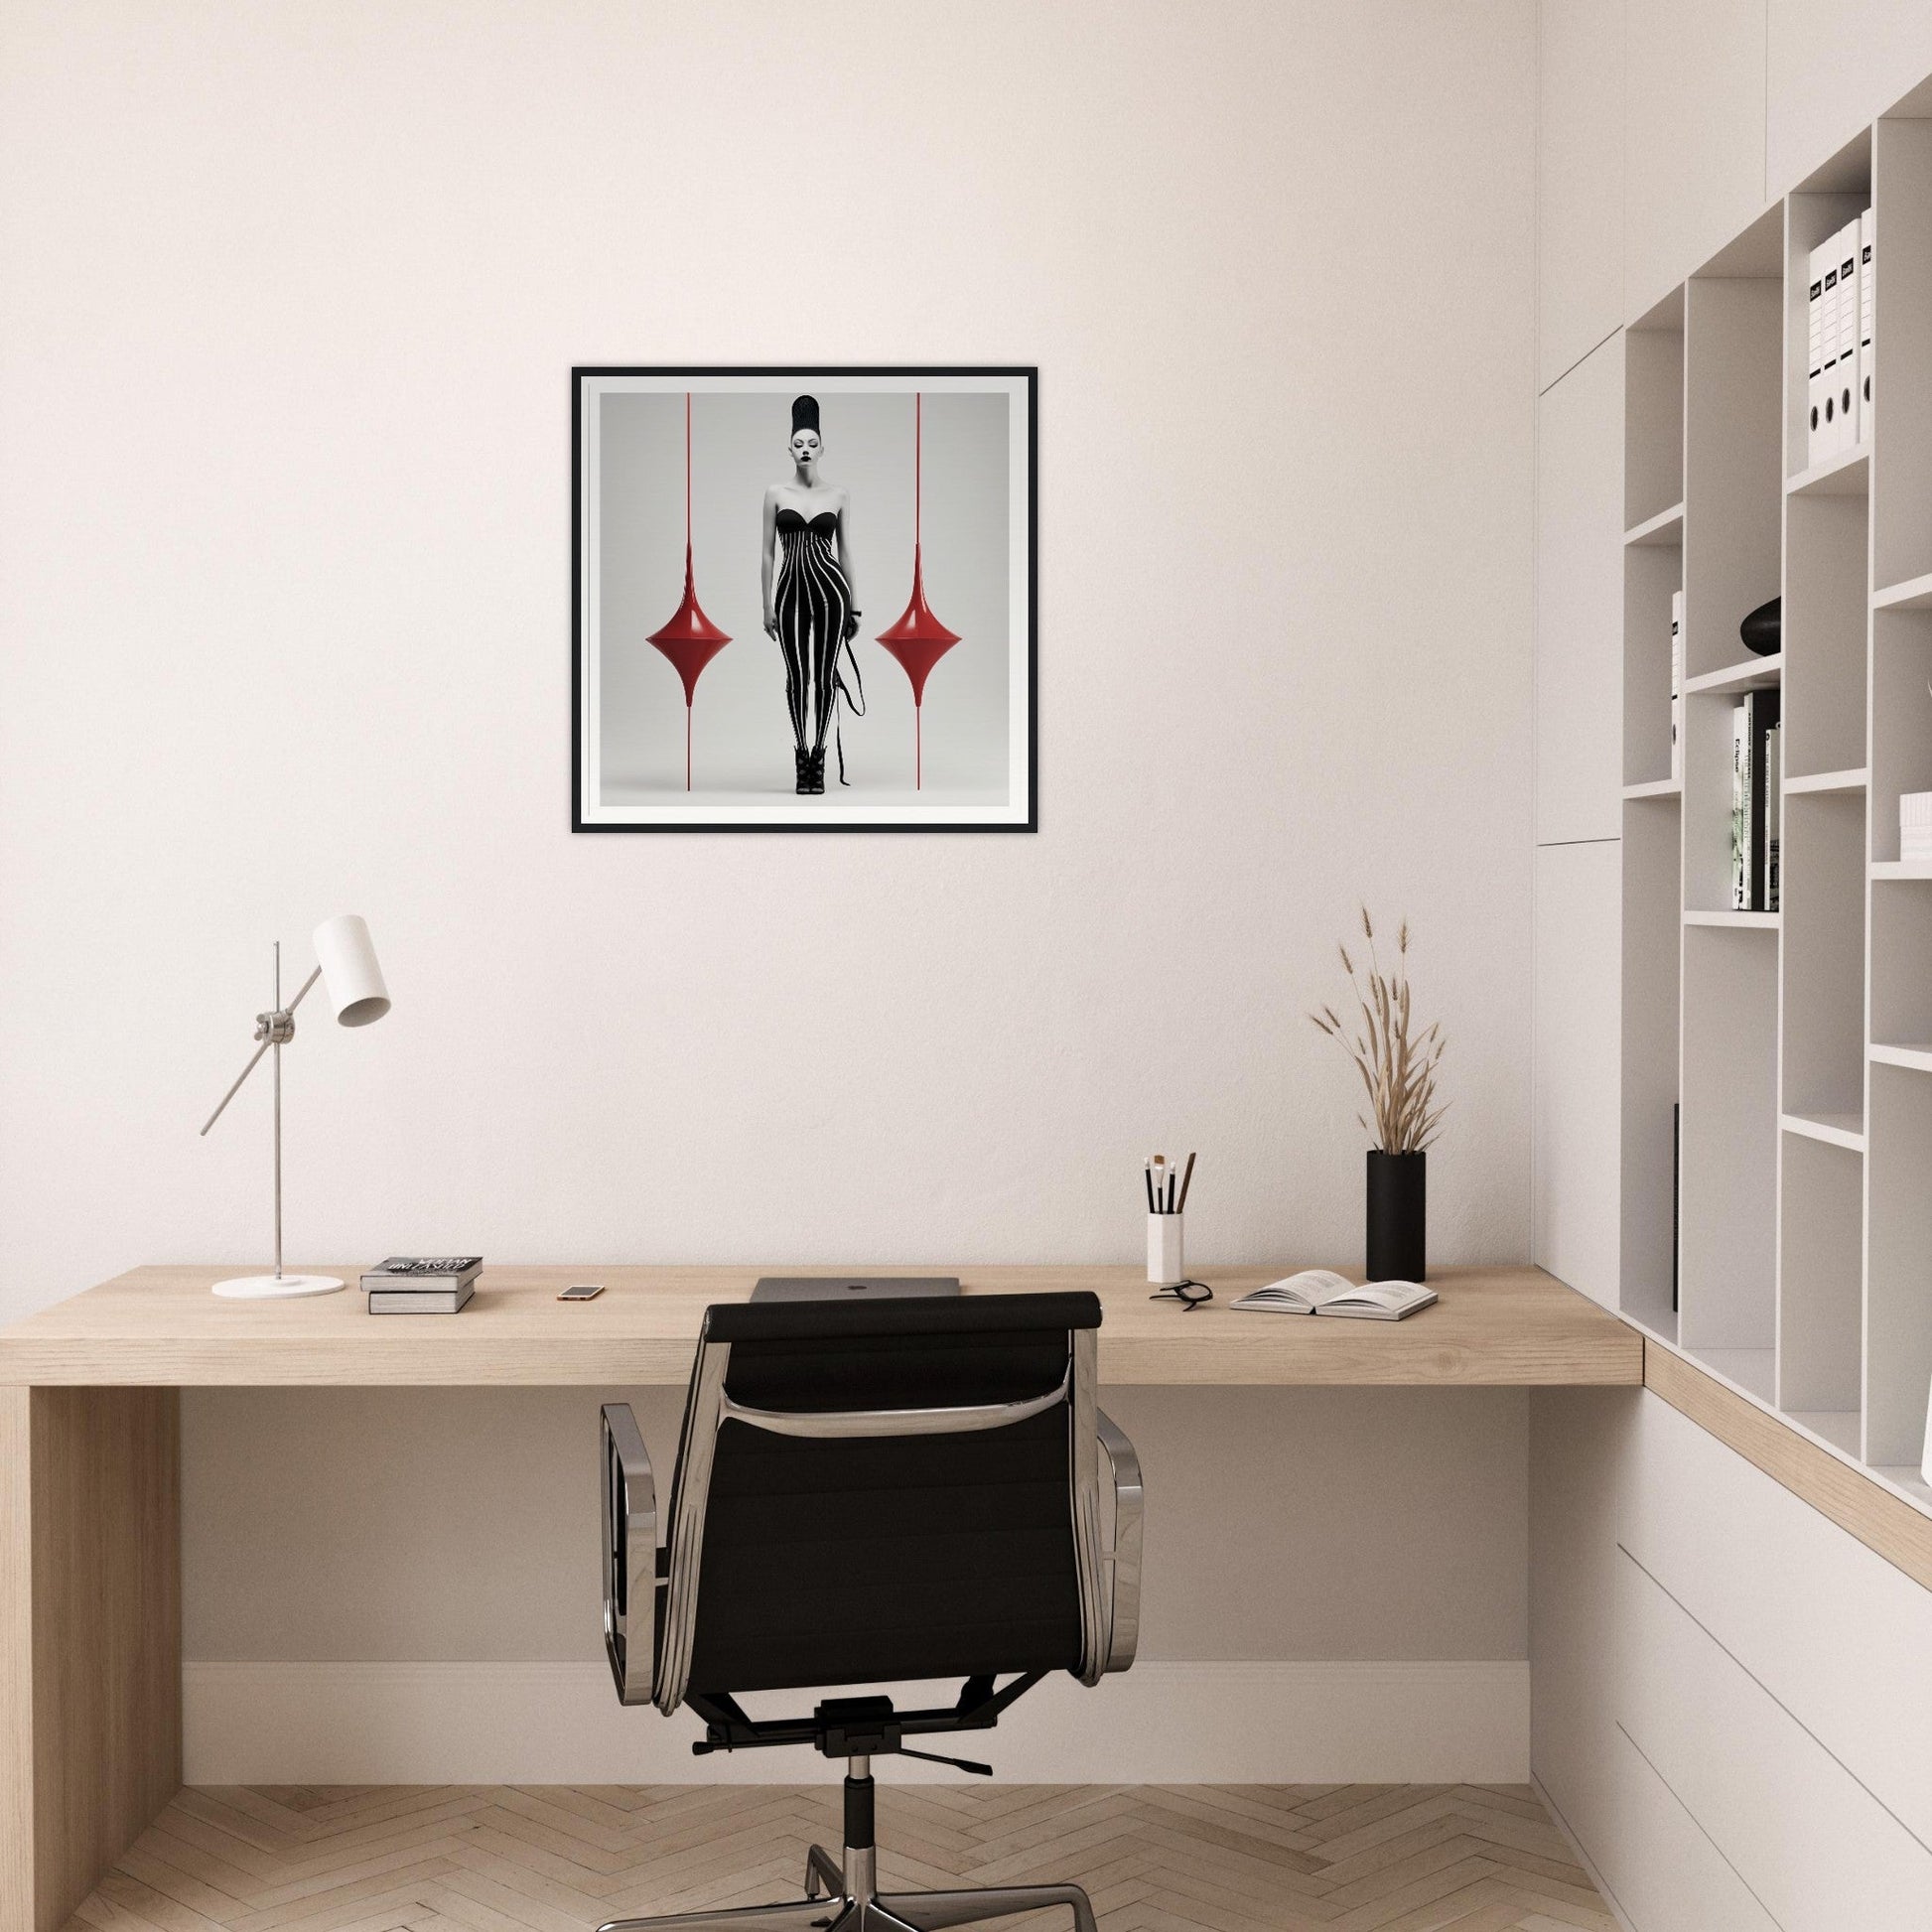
(869, 1495)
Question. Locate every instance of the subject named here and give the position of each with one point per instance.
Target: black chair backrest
(867, 1557)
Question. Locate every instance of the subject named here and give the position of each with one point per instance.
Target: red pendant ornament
(918, 640)
(690, 639)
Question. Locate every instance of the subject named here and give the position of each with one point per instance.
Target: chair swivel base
(847, 1905)
(842, 1897)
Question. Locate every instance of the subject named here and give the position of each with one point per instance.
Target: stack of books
(1755, 777)
(421, 1284)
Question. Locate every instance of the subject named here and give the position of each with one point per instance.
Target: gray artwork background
(742, 734)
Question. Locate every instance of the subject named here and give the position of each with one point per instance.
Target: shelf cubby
(1898, 1290)
(1821, 1241)
(1822, 916)
(1651, 574)
(1706, 730)
(1837, 194)
(1901, 401)
(1901, 963)
(1825, 614)
(1733, 476)
(1728, 1220)
(1901, 718)
(1653, 418)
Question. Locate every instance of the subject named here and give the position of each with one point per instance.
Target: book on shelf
(1753, 816)
(1815, 356)
(1676, 1192)
(1844, 391)
(1825, 267)
(1740, 810)
(1773, 811)
(1321, 1291)
(1868, 300)
(1677, 686)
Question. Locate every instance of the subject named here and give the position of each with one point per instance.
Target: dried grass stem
(1398, 1065)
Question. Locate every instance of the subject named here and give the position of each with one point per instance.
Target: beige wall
(388, 1524)
(291, 297)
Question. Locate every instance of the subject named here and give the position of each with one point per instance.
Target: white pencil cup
(1165, 1246)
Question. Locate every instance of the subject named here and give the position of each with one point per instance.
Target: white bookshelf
(1797, 1042)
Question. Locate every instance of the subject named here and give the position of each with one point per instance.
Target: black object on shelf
(1398, 1216)
(1764, 630)
(1676, 1192)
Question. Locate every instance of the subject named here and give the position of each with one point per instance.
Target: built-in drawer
(1666, 1874)
(1819, 1851)
(1832, 1631)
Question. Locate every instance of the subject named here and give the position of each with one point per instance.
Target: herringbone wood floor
(558, 1858)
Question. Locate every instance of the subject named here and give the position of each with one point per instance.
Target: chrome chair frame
(841, 1894)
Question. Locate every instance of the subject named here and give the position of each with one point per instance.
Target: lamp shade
(350, 975)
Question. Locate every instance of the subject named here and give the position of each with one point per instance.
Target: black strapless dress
(813, 603)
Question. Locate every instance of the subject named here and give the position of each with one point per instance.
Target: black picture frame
(803, 377)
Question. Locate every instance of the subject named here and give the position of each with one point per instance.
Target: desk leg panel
(89, 1637)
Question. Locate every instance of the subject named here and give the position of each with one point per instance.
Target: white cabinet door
(1579, 752)
(1574, 1112)
(1580, 180)
(1840, 1638)
(1663, 1871)
(1692, 137)
(1833, 67)
(1815, 1847)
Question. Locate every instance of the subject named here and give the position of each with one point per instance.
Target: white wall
(292, 295)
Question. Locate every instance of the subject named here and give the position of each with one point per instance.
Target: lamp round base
(275, 1288)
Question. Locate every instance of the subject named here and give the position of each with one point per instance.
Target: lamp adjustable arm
(274, 1029)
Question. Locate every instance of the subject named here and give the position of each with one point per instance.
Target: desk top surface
(160, 1327)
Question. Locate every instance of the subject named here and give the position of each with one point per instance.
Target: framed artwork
(803, 599)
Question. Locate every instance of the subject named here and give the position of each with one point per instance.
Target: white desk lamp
(346, 965)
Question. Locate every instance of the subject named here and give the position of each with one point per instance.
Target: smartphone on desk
(582, 1292)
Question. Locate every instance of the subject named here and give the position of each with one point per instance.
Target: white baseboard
(561, 1724)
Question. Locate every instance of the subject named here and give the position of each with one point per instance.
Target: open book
(1320, 1291)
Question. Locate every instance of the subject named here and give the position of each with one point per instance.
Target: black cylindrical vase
(1398, 1216)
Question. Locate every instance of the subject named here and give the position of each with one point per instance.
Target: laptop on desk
(849, 1288)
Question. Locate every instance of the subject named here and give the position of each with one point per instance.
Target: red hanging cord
(690, 639)
(918, 640)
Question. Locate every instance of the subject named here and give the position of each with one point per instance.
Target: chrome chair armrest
(629, 1554)
(836, 1424)
(1124, 1559)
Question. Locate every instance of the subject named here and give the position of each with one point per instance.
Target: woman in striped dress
(811, 610)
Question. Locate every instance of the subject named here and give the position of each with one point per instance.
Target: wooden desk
(160, 1327)
(89, 1460)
